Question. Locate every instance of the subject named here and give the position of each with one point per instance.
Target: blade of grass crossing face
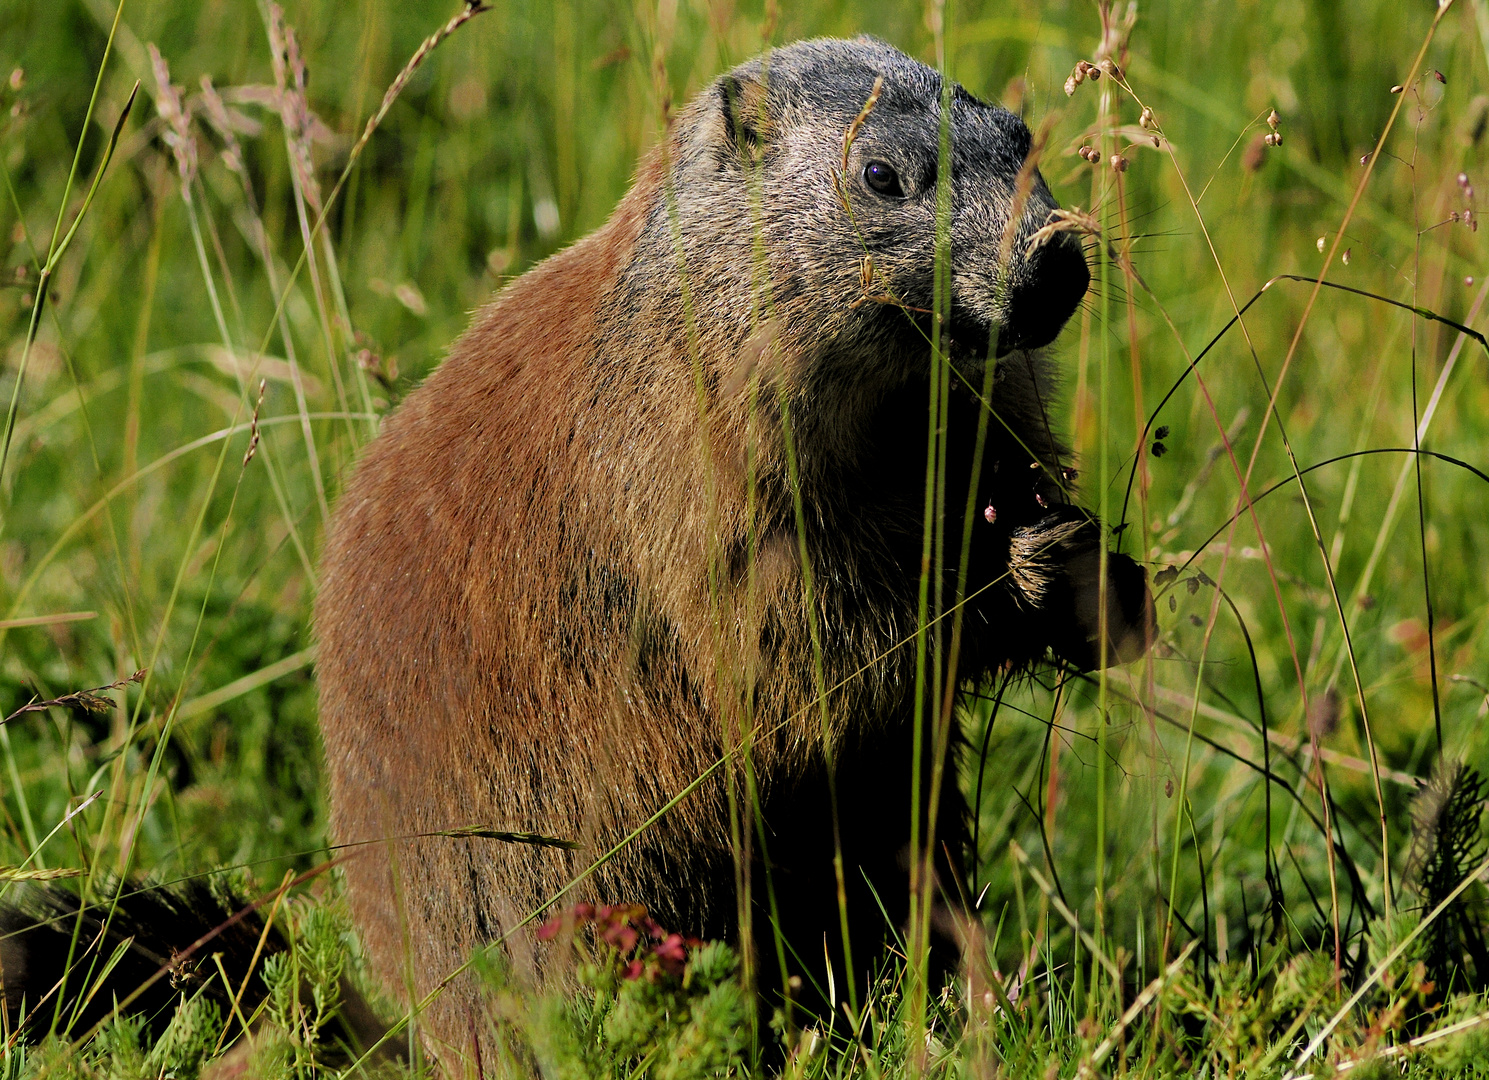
(1106, 121)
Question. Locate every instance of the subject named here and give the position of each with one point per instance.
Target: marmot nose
(1049, 288)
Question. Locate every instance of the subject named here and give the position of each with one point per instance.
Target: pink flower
(672, 955)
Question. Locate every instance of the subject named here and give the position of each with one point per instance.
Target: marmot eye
(883, 180)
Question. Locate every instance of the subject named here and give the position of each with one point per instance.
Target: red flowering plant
(657, 1005)
(637, 945)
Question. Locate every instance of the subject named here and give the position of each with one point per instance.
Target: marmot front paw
(1055, 567)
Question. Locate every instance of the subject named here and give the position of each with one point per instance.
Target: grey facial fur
(793, 108)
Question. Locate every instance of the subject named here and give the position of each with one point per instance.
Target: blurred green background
(518, 135)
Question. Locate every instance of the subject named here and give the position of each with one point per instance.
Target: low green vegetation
(1257, 853)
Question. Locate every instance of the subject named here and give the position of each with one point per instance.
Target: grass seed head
(1082, 71)
(177, 116)
(1066, 219)
(253, 425)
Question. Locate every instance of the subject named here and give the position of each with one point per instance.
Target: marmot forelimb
(568, 574)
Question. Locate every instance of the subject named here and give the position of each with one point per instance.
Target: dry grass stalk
(472, 8)
(756, 349)
(852, 133)
(1023, 185)
(1073, 219)
(253, 425)
(91, 701)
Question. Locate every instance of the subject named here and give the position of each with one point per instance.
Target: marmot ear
(744, 107)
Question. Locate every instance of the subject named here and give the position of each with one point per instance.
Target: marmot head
(761, 158)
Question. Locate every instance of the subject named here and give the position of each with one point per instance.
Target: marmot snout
(568, 576)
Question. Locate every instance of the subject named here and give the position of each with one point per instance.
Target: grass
(1204, 863)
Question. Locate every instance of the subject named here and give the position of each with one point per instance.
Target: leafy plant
(650, 1003)
(1447, 846)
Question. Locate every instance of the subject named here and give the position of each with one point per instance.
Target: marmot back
(568, 574)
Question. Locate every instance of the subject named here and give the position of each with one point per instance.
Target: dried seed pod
(1439, 76)
(1110, 68)
(1345, 257)
(1273, 119)
(1157, 142)
(1146, 120)
(1322, 243)
(990, 514)
(1397, 88)
(1364, 159)
(1468, 281)
(1070, 84)
(1119, 163)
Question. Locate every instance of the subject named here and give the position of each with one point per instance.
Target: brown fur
(549, 603)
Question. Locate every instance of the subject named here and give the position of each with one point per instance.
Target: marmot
(569, 569)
